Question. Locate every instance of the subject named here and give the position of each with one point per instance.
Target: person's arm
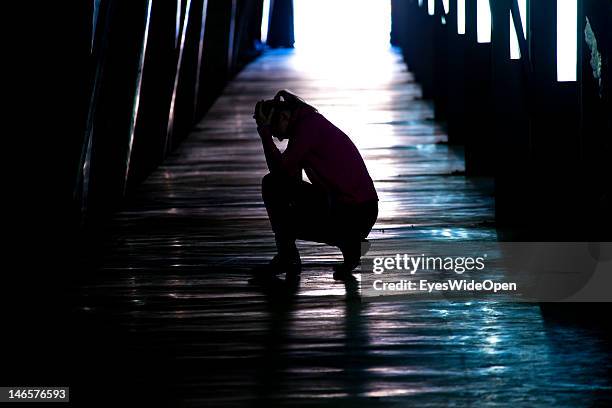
(273, 155)
(288, 162)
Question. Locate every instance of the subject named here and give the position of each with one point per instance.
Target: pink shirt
(329, 158)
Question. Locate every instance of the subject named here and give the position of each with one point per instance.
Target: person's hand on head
(260, 117)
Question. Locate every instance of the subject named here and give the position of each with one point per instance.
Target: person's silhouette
(338, 207)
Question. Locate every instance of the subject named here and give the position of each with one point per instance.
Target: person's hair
(280, 106)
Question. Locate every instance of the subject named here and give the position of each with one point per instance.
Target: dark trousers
(299, 210)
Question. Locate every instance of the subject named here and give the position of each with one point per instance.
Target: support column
(280, 33)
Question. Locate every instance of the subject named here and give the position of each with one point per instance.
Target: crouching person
(338, 207)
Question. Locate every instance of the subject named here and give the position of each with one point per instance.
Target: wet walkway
(173, 276)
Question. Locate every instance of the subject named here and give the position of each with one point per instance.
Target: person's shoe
(343, 273)
(280, 264)
(290, 263)
(344, 270)
(351, 254)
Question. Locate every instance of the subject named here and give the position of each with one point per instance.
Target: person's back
(331, 160)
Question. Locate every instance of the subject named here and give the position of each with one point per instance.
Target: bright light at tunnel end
(352, 33)
(346, 26)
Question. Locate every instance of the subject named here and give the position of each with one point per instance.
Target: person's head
(284, 113)
(282, 117)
